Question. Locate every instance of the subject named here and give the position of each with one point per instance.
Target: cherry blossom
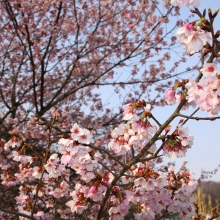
(209, 69)
(85, 137)
(96, 193)
(193, 37)
(78, 203)
(170, 96)
(129, 112)
(178, 143)
(76, 131)
(196, 40)
(195, 3)
(205, 93)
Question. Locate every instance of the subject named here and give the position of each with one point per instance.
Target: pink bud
(93, 190)
(170, 95)
(167, 129)
(190, 26)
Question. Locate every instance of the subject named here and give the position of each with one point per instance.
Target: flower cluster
(193, 37)
(178, 143)
(142, 180)
(75, 155)
(206, 93)
(160, 189)
(135, 133)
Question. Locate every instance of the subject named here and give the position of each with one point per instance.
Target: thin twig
(108, 153)
(190, 115)
(155, 120)
(16, 213)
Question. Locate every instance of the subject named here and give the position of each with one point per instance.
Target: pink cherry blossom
(210, 83)
(184, 32)
(190, 26)
(209, 69)
(177, 146)
(170, 96)
(76, 131)
(13, 142)
(37, 172)
(196, 40)
(39, 215)
(96, 193)
(84, 137)
(128, 112)
(192, 37)
(124, 131)
(147, 108)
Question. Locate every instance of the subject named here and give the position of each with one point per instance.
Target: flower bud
(93, 190)
(210, 13)
(167, 129)
(204, 12)
(143, 102)
(186, 81)
(216, 13)
(207, 46)
(192, 10)
(170, 94)
(175, 133)
(217, 34)
(206, 51)
(177, 84)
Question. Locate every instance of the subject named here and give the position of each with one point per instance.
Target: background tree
(56, 54)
